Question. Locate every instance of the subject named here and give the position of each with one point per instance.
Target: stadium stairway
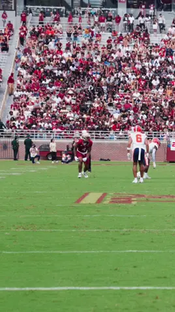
(6, 63)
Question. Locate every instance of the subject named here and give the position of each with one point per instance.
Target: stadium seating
(84, 83)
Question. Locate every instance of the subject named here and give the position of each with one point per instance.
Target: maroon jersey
(84, 146)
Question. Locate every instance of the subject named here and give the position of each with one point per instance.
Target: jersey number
(138, 138)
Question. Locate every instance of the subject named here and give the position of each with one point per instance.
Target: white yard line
(26, 168)
(93, 230)
(10, 173)
(86, 288)
(66, 216)
(21, 169)
(84, 251)
(45, 168)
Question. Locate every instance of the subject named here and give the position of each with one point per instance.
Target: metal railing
(46, 9)
(69, 134)
(36, 9)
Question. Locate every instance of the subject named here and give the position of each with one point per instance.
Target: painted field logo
(123, 198)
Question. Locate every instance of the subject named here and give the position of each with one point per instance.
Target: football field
(100, 244)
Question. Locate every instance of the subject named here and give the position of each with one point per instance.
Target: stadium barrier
(69, 134)
(105, 149)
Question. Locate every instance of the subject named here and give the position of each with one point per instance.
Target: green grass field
(112, 238)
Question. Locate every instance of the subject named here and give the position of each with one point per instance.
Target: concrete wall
(113, 150)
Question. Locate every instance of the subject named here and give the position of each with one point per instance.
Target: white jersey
(152, 152)
(151, 147)
(138, 140)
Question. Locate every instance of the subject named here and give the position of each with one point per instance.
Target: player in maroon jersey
(82, 153)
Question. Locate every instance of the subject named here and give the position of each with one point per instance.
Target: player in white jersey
(138, 144)
(153, 147)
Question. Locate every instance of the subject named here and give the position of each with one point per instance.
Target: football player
(138, 144)
(89, 169)
(153, 147)
(82, 154)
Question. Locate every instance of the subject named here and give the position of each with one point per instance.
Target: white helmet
(85, 134)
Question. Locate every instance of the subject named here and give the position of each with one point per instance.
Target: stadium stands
(92, 84)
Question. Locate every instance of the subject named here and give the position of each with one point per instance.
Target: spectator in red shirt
(23, 17)
(0, 75)
(70, 18)
(10, 29)
(117, 22)
(41, 18)
(56, 17)
(10, 83)
(102, 21)
(4, 18)
(22, 35)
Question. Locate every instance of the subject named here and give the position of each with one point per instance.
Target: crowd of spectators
(91, 84)
(5, 35)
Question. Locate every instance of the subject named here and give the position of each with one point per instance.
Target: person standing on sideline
(15, 147)
(34, 153)
(10, 83)
(4, 18)
(2, 127)
(28, 144)
(139, 144)
(53, 150)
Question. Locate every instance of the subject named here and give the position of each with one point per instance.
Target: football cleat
(154, 165)
(85, 175)
(138, 174)
(146, 176)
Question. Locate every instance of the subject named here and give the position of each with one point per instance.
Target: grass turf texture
(35, 206)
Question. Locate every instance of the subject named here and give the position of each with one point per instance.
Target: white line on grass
(85, 288)
(26, 168)
(93, 230)
(21, 169)
(85, 251)
(83, 216)
(44, 168)
(10, 173)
